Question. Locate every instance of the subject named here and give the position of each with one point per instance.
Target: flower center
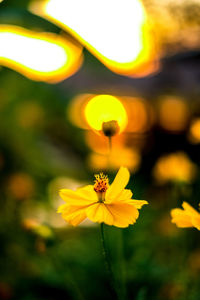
(101, 185)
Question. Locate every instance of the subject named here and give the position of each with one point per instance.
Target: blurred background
(58, 59)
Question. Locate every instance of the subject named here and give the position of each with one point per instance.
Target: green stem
(110, 144)
(108, 262)
(123, 269)
(109, 152)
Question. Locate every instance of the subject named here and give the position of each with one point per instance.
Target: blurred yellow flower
(174, 167)
(102, 203)
(186, 217)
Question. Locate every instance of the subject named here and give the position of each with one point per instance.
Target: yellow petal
(61, 208)
(76, 220)
(123, 196)
(82, 196)
(138, 203)
(176, 212)
(123, 214)
(182, 222)
(180, 218)
(87, 192)
(196, 222)
(118, 185)
(190, 210)
(74, 215)
(99, 213)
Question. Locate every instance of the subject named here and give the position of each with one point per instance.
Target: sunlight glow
(115, 31)
(104, 108)
(39, 56)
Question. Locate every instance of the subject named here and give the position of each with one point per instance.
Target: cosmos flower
(101, 202)
(186, 217)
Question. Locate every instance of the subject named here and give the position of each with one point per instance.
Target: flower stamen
(101, 185)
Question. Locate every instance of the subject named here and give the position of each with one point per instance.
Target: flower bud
(110, 128)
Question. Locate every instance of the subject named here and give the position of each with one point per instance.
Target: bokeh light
(99, 143)
(140, 113)
(75, 111)
(105, 108)
(130, 51)
(133, 114)
(194, 131)
(175, 167)
(20, 186)
(120, 156)
(173, 114)
(39, 56)
(34, 226)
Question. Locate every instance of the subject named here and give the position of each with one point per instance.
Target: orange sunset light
(117, 33)
(38, 56)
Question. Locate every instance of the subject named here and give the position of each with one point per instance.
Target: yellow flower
(186, 217)
(174, 167)
(101, 202)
